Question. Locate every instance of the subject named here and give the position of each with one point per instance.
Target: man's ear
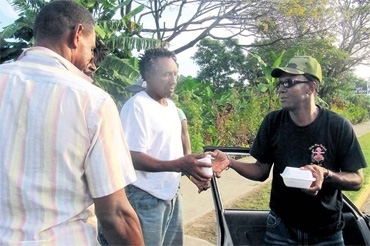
(316, 86)
(313, 87)
(75, 35)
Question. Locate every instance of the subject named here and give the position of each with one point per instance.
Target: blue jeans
(161, 221)
(279, 233)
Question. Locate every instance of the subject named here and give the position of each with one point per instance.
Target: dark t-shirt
(328, 141)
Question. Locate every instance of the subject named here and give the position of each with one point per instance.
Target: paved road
(232, 186)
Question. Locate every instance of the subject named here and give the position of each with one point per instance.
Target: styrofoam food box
(297, 178)
(207, 159)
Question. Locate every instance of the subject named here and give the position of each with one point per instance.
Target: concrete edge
(364, 194)
(364, 191)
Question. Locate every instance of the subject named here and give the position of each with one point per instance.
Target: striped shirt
(62, 144)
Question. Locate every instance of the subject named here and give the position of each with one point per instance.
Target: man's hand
(220, 162)
(192, 166)
(202, 185)
(318, 173)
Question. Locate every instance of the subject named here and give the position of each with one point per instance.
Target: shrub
(354, 113)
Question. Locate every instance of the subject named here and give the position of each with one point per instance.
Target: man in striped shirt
(62, 144)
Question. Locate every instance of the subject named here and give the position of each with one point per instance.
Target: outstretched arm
(257, 171)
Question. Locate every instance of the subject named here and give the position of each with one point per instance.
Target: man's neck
(305, 116)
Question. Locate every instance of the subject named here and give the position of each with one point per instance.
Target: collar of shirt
(42, 51)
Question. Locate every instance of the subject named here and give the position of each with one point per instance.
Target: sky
(186, 65)
(7, 15)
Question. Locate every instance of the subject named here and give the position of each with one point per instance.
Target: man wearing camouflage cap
(306, 136)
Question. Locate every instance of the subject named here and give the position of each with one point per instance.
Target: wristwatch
(327, 175)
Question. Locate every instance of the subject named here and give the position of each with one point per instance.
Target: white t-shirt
(181, 114)
(153, 129)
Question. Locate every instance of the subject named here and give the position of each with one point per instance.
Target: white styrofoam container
(297, 178)
(207, 159)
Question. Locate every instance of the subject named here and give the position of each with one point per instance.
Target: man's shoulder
(138, 98)
(276, 114)
(49, 75)
(332, 116)
(333, 121)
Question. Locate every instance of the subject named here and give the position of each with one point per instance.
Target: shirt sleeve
(108, 164)
(181, 113)
(349, 152)
(134, 125)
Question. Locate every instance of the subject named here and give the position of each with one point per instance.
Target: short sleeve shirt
(155, 130)
(62, 144)
(329, 141)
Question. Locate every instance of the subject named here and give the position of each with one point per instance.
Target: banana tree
(114, 27)
(268, 83)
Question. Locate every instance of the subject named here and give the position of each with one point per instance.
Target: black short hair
(58, 16)
(146, 61)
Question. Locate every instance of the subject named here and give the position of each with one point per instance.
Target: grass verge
(359, 197)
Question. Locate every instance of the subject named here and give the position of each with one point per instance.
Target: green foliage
(361, 101)
(337, 77)
(120, 68)
(231, 118)
(114, 74)
(354, 113)
(18, 35)
(231, 114)
(265, 83)
(222, 64)
(189, 102)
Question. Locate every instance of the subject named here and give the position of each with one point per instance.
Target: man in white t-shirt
(140, 85)
(153, 130)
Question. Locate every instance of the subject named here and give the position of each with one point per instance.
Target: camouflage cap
(300, 65)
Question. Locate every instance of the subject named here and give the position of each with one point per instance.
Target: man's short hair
(146, 61)
(59, 16)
